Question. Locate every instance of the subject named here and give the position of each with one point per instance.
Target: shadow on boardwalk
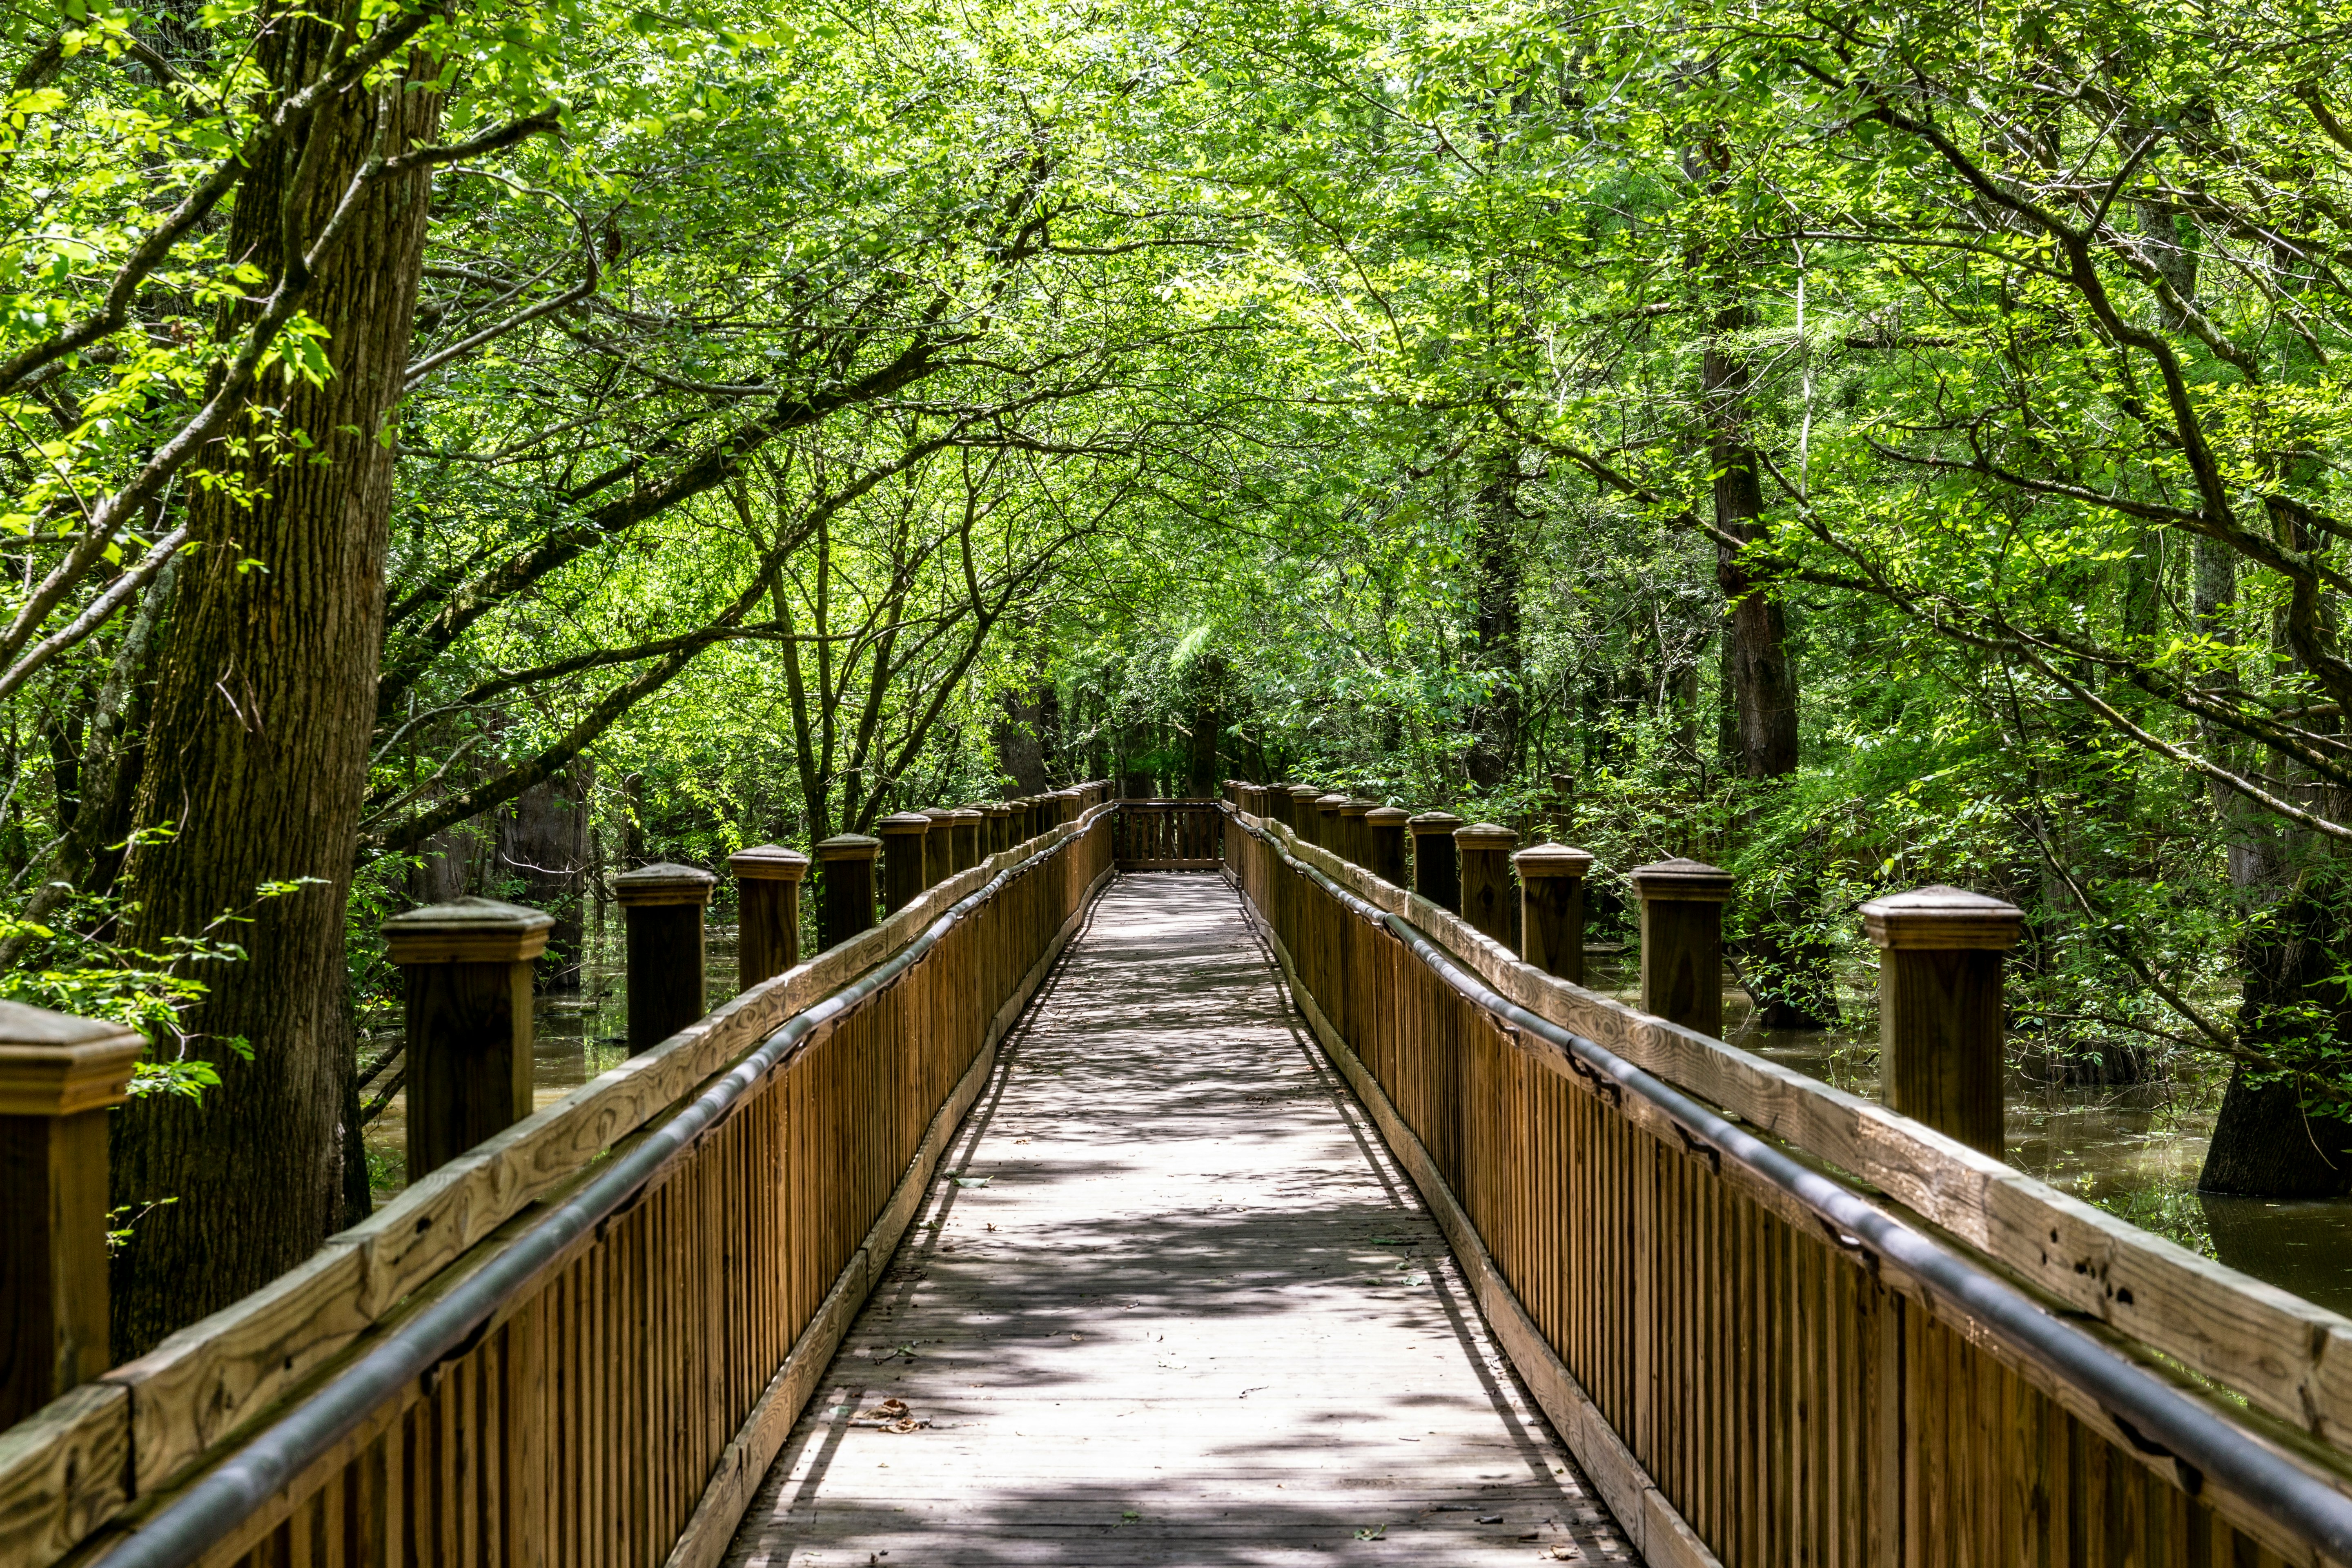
(1178, 1306)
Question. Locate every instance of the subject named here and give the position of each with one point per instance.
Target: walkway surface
(1176, 1305)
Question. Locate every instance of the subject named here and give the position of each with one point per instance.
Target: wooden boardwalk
(1176, 1305)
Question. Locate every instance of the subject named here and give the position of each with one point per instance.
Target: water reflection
(575, 1035)
(2134, 1150)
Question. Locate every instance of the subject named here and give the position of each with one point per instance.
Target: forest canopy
(473, 447)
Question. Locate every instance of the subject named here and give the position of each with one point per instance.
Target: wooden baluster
(768, 905)
(1384, 835)
(1485, 849)
(1000, 829)
(663, 904)
(1353, 846)
(848, 908)
(1551, 908)
(964, 823)
(906, 858)
(1940, 1007)
(58, 1077)
(1436, 869)
(1682, 941)
(465, 971)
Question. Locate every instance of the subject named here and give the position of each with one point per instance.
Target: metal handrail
(2154, 1415)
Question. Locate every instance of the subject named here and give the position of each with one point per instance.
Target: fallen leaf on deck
(890, 1416)
(1490, 1518)
(1379, 1532)
(1560, 1555)
(973, 1181)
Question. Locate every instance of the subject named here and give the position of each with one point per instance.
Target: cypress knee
(1551, 908)
(1682, 943)
(1485, 849)
(465, 971)
(768, 921)
(1436, 871)
(906, 858)
(662, 905)
(1384, 835)
(58, 1078)
(849, 907)
(1940, 1007)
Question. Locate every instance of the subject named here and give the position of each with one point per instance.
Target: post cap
(1552, 860)
(1430, 822)
(1484, 836)
(1355, 807)
(468, 931)
(1387, 817)
(1305, 792)
(53, 1064)
(963, 814)
(767, 863)
(848, 846)
(899, 822)
(1687, 881)
(1942, 917)
(662, 883)
(996, 808)
(1331, 802)
(938, 813)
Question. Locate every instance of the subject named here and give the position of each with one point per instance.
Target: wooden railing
(1780, 1324)
(1169, 835)
(583, 1341)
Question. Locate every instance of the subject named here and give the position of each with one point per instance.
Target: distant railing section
(580, 1335)
(1169, 835)
(1777, 1323)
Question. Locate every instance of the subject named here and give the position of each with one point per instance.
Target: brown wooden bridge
(1092, 1209)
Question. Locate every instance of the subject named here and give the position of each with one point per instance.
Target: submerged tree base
(2265, 1145)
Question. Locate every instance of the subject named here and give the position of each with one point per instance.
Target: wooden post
(1682, 943)
(58, 1078)
(1302, 810)
(663, 906)
(1551, 908)
(848, 861)
(906, 858)
(1485, 869)
(1436, 871)
(1327, 821)
(1000, 829)
(1278, 805)
(768, 898)
(939, 856)
(965, 824)
(465, 971)
(1940, 1007)
(1353, 844)
(1384, 837)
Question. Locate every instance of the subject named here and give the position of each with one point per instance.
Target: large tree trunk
(1791, 978)
(258, 754)
(542, 846)
(1022, 735)
(1495, 727)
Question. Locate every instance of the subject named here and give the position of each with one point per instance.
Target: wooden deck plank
(1194, 1315)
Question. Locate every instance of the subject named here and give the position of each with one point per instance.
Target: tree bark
(1495, 626)
(258, 753)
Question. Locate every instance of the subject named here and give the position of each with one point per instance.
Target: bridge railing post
(1682, 941)
(999, 825)
(1484, 848)
(464, 981)
(965, 822)
(848, 906)
(906, 858)
(1327, 820)
(1940, 1024)
(59, 1077)
(1551, 908)
(662, 905)
(1436, 868)
(768, 911)
(1384, 836)
(1354, 847)
(1302, 810)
